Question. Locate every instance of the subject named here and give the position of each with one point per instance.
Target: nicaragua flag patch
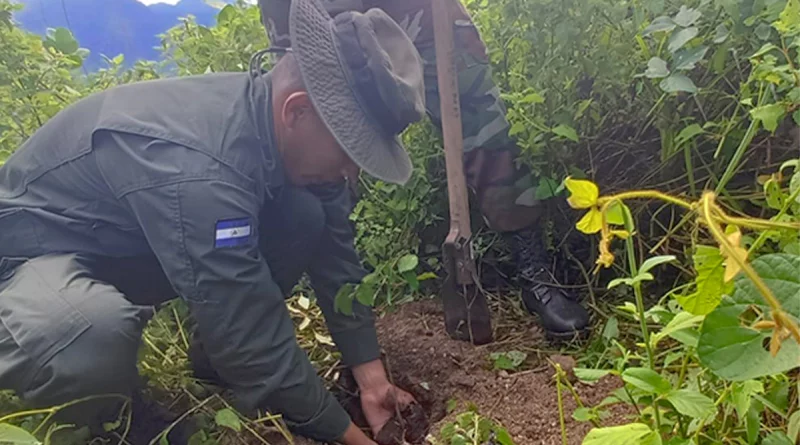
(232, 232)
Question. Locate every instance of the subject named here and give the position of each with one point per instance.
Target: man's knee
(80, 336)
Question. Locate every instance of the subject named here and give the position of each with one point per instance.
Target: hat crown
(383, 68)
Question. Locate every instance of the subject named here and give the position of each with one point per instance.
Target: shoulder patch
(232, 232)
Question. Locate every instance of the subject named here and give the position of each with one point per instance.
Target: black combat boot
(561, 316)
(149, 419)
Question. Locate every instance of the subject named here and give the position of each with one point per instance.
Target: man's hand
(379, 398)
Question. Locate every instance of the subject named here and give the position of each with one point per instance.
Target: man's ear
(296, 108)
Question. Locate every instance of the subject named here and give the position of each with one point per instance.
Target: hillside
(112, 27)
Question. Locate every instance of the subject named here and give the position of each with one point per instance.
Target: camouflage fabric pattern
(489, 151)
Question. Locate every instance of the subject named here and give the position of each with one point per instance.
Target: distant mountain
(112, 27)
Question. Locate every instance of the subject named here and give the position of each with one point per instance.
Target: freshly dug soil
(424, 361)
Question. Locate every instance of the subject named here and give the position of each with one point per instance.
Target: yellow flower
(583, 193)
(592, 221)
(732, 253)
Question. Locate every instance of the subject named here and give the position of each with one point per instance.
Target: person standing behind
(489, 151)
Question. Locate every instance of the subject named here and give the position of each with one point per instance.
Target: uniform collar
(261, 98)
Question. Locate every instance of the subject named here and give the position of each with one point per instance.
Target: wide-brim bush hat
(364, 77)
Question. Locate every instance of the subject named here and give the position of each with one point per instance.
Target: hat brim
(377, 153)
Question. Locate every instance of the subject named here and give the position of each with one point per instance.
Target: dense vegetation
(684, 114)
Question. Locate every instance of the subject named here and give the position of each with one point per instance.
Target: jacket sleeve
(204, 234)
(335, 265)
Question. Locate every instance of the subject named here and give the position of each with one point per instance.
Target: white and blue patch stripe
(232, 232)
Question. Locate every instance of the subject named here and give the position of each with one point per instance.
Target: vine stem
(559, 373)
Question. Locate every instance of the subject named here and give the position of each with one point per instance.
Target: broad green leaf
(686, 59)
(615, 214)
(647, 380)
(691, 403)
(794, 427)
(64, 41)
(611, 329)
(789, 18)
(510, 360)
(566, 131)
(709, 284)
(502, 437)
(517, 128)
(687, 134)
(458, 439)
(763, 31)
(583, 414)
(686, 16)
(753, 422)
(343, 302)
(659, 24)
(681, 321)
(631, 434)
(586, 375)
(226, 14)
(14, 435)
(527, 198)
(680, 38)
(769, 115)
(721, 33)
(742, 395)
(592, 222)
(656, 68)
(735, 352)
(677, 82)
(229, 419)
(794, 184)
(777, 438)
(407, 263)
(366, 293)
(547, 188)
(796, 117)
(583, 193)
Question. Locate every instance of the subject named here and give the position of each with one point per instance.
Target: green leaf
(777, 438)
(686, 59)
(631, 434)
(735, 352)
(796, 117)
(769, 115)
(509, 361)
(659, 24)
(691, 403)
(753, 422)
(547, 188)
(566, 131)
(680, 38)
(687, 16)
(688, 134)
(789, 17)
(647, 380)
(502, 437)
(794, 427)
(764, 50)
(229, 419)
(583, 415)
(721, 33)
(586, 375)
(532, 98)
(615, 213)
(407, 263)
(655, 261)
(611, 330)
(763, 31)
(656, 68)
(226, 14)
(742, 395)
(343, 302)
(527, 198)
(709, 283)
(14, 435)
(682, 321)
(458, 439)
(366, 292)
(516, 129)
(677, 82)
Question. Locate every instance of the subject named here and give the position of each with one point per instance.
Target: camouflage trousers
(489, 151)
